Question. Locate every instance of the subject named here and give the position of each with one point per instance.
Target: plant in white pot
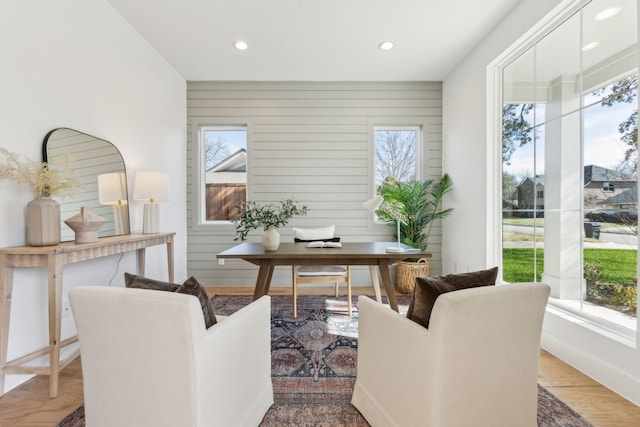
(45, 181)
(252, 216)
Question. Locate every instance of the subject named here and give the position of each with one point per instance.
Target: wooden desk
(53, 258)
(372, 254)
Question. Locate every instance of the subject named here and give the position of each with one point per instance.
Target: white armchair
(147, 360)
(476, 365)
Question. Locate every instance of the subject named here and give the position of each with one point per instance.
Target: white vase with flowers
(43, 213)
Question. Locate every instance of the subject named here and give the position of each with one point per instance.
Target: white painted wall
(469, 235)
(78, 64)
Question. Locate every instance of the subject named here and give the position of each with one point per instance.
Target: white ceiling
(313, 40)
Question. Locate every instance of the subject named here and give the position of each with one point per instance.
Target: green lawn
(618, 265)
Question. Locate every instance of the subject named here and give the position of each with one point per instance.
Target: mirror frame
(91, 157)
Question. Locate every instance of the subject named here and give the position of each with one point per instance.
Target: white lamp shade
(112, 188)
(373, 204)
(151, 186)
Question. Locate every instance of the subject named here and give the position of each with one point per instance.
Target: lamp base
(121, 218)
(395, 249)
(151, 218)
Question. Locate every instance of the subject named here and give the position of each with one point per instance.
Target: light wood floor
(30, 405)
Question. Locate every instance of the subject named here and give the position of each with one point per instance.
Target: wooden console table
(53, 258)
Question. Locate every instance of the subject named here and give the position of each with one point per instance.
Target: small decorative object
(86, 225)
(152, 187)
(43, 222)
(251, 216)
(46, 181)
(271, 239)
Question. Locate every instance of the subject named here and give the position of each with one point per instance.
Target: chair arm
(233, 365)
(392, 352)
(389, 344)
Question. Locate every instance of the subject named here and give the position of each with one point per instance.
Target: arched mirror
(100, 167)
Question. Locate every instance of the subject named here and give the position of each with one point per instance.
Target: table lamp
(373, 205)
(152, 187)
(112, 190)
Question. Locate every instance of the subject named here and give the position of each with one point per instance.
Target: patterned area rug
(314, 366)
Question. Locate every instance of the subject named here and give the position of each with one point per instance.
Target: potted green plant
(252, 216)
(417, 204)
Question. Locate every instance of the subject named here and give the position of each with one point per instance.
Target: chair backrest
(313, 234)
(137, 352)
(483, 354)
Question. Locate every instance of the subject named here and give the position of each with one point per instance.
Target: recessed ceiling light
(607, 13)
(590, 46)
(386, 45)
(240, 45)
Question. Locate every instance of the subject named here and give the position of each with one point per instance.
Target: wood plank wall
(311, 141)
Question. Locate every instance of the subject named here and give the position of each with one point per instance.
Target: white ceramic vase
(271, 239)
(43, 222)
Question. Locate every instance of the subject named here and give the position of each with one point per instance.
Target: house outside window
(223, 159)
(398, 152)
(569, 123)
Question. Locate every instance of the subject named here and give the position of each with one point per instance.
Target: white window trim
(423, 145)
(419, 166)
(494, 98)
(198, 173)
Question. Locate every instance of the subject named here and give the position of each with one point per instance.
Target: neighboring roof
(539, 180)
(237, 162)
(626, 197)
(593, 173)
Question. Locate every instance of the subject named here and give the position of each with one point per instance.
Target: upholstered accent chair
(475, 365)
(148, 360)
(335, 274)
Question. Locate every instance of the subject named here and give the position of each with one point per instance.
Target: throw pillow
(424, 296)
(317, 233)
(135, 281)
(473, 279)
(428, 289)
(192, 287)
(333, 239)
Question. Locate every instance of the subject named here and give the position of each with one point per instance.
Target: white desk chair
(319, 273)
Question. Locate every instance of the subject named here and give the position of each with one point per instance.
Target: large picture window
(223, 160)
(569, 163)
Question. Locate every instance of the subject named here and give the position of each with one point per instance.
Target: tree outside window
(397, 153)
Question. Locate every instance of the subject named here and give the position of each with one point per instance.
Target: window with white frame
(569, 124)
(223, 164)
(398, 151)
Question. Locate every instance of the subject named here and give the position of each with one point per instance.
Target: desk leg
(6, 288)
(55, 321)
(140, 256)
(373, 269)
(170, 258)
(264, 279)
(388, 284)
